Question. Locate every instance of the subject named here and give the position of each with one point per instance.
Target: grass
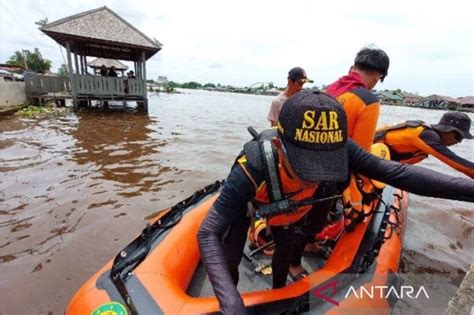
(34, 111)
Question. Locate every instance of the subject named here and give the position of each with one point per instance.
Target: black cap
(455, 121)
(313, 128)
(373, 59)
(298, 74)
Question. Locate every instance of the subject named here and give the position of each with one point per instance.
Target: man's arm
(414, 179)
(228, 208)
(430, 143)
(274, 112)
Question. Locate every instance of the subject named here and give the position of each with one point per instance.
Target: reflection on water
(75, 189)
(118, 149)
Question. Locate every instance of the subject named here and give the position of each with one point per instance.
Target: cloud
(216, 66)
(430, 44)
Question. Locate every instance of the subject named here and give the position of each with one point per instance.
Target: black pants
(289, 242)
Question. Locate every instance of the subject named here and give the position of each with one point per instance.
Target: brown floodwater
(76, 188)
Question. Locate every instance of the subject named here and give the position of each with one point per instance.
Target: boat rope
(135, 252)
(395, 226)
(370, 256)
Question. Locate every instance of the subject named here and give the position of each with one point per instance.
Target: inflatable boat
(160, 271)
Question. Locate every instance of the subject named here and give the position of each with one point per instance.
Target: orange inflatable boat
(160, 271)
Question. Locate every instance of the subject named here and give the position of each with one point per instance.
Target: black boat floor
(249, 279)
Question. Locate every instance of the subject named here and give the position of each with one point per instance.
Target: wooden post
(144, 65)
(76, 62)
(85, 64)
(81, 60)
(145, 104)
(71, 76)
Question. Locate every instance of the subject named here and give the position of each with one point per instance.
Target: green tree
(63, 71)
(33, 60)
(210, 85)
(271, 85)
(191, 85)
(172, 84)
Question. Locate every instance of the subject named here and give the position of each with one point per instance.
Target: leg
(312, 224)
(284, 242)
(233, 243)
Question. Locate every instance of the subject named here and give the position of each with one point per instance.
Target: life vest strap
(288, 205)
(271, 171)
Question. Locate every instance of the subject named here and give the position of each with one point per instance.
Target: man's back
(361, 106)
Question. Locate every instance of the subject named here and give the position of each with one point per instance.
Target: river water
(76, 188)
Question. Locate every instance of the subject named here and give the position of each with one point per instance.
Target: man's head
(296, 78)
(312, 128)
(372, 64)
(453, 127)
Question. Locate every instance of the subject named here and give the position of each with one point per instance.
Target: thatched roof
(102, 33)
(97, 63)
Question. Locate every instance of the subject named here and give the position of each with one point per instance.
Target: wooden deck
(42, 88)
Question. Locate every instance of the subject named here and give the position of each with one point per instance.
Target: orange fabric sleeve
(365, 125)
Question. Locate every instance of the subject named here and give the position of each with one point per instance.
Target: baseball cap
(298, 74)
(313, 129)
(455, 121)
(373, 59)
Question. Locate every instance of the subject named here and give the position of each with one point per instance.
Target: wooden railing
(43, 84)
(109, 86)
(86, 85)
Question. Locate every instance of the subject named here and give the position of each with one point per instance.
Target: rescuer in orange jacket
(353, 91)
(362, 108)
(413, 141)
(312, 146)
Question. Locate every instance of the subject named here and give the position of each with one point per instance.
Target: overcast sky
(242, 42)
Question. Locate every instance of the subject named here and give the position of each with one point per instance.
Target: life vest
(360, 198)
(290, 189)
(277, 185)
(415, 126)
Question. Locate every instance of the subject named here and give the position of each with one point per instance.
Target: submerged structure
(97, 33)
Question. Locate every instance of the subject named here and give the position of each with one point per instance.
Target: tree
(210, 85)
(33, 60)
(191, 85)
(173, 84)
(63, 71)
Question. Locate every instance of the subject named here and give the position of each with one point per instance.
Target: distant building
(439, 102)
(162, 81)
(390, 98)
(10, 68)
(412, 99)
(466, 104)
(97, 63)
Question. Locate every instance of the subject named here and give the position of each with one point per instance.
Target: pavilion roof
(102, 33)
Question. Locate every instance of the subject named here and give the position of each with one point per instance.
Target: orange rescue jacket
(406, 144)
